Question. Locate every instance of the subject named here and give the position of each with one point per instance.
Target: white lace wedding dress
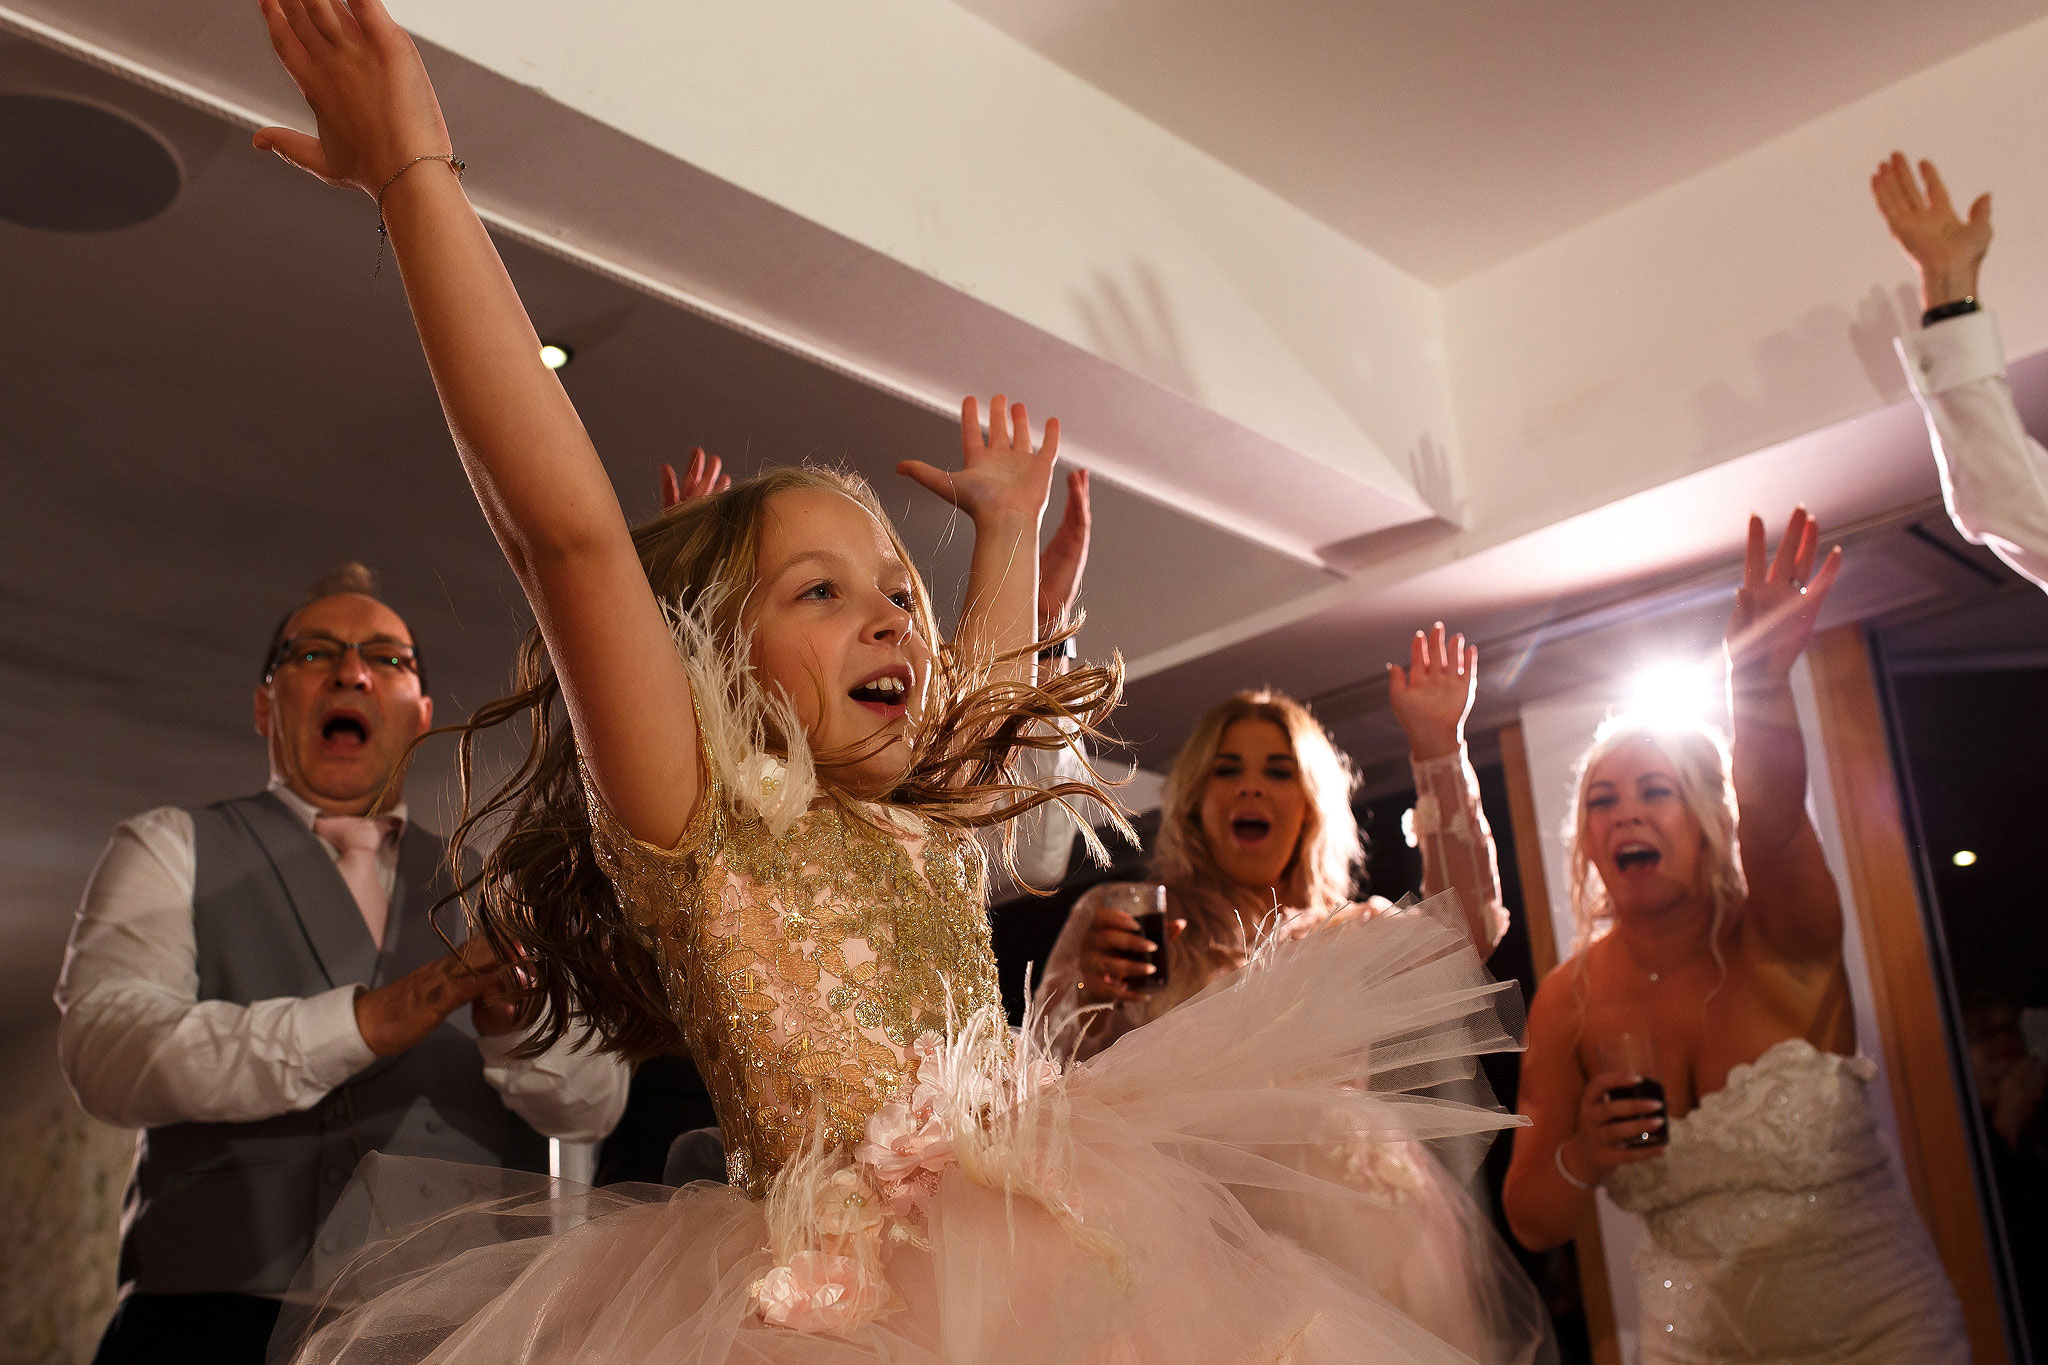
(1779, 1232)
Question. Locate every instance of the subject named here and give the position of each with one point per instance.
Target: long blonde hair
(1698, 753)
(540, 893)
(1328, 856)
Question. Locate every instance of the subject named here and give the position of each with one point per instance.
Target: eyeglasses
(325, 653)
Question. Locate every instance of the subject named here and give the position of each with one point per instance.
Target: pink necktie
(357, 838)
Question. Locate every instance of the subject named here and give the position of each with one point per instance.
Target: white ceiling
(1447, 135)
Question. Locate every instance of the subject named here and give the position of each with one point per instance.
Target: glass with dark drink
(1145, 903)
(1636, 1053)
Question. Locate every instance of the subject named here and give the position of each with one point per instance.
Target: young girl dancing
(750, 840)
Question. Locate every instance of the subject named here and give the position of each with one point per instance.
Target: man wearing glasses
(257, 985)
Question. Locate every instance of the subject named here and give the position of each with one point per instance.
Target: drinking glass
(1636, 1053)
(1145, 903)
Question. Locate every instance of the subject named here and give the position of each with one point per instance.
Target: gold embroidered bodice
(801, 969)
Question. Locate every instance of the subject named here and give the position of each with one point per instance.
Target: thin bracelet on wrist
(1557, 1156)
(455, 163)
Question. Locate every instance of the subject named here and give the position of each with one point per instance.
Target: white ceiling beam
(902, 191)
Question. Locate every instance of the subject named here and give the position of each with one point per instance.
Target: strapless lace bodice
(1787, 1148)
(1778, 1230)
(802, 967)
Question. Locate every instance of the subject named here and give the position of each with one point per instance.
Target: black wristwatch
(1065, 649)
(1955, 308)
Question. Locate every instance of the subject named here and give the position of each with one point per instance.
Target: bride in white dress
(1709, 925)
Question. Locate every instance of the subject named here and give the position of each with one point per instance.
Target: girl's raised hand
(1780, 598)
(1001, 476)
(363, 79)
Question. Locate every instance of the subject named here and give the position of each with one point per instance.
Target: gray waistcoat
(218, 1207)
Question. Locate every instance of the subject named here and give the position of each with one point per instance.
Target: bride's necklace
(1655, 978)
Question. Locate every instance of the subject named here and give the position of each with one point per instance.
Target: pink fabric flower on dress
(1041, 1073)
(848, 1210)
(904, 1146)
(819, 1292)
(904, 1150)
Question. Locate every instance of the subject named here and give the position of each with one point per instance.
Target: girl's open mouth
(886, 694)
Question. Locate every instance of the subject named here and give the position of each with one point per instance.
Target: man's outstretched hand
(1946, 249)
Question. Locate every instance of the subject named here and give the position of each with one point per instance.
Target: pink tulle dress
(1414, 1234)
(911, 1181)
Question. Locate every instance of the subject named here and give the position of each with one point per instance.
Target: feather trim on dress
(737, 721)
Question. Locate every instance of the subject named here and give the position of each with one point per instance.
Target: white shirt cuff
(1952, 353)
(331, 1042)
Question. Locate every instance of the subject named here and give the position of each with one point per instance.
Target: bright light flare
(1964, 858)
(553, 356)
(1676, 692)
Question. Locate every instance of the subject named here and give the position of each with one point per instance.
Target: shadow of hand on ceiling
(1436, 482)
(1430, 470)
(1130, 323)
(1792, 362)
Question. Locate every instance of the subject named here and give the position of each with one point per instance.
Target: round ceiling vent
(69, 166)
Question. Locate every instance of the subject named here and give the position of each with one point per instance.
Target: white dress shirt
(1994, 477)
(140, 1049)
(1045, 834)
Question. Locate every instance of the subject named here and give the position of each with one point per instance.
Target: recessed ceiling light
(1964, 858)
(553, 356)
(70, 166)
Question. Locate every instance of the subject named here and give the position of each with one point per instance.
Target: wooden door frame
(1884, 895)
(1595, 1294)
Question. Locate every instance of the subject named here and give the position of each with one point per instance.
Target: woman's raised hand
(1433, 697)
(1780, 598)
(1001, 476)
(363, 79)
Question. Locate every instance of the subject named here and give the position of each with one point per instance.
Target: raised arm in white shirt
(1994, 477)
(141, 1049)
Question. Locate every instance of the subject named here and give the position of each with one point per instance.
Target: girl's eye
(817, 592)
(1280, 772)
(1227, 770)
(903, 598)
(1656, 793)
(1599, 802)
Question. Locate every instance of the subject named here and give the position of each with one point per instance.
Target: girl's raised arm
(529, 460)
